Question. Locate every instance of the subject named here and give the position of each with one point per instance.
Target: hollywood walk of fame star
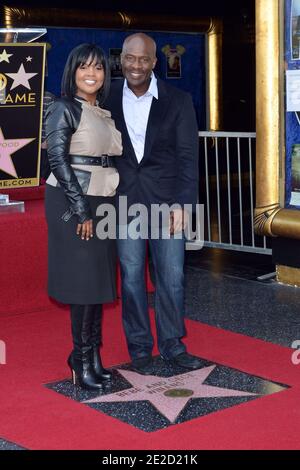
(21, 78)
(7, 148)
(28, 58)
(4, 57)
(168, 395)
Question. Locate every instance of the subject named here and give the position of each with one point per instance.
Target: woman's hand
(85, 230)
(178, 221)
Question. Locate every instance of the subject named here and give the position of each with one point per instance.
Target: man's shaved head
(141, 38)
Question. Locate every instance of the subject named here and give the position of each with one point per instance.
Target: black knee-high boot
(101, 373)
(80, 360)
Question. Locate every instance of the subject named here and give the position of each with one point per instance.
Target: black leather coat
(62, 120)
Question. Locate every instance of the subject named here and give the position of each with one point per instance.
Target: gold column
(267, 114)
(215, 96)
(270, 218)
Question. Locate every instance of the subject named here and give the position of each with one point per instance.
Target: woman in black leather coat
(82, 143)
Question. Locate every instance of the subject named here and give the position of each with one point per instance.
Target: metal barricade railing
(226, 189)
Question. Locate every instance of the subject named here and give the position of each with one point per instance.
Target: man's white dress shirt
(136, 113)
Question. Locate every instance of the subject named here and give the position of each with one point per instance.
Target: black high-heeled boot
(80, 360)
(101, 373)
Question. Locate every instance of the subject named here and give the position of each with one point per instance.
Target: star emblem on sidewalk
(21, 78)
(4, 57)
(168, 395)
(7, 148)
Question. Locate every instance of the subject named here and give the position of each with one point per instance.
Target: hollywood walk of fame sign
(21, 97)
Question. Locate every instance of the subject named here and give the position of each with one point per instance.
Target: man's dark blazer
(168, 172)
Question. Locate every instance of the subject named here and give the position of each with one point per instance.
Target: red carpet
(38, 418)
(37, 337)
(23, 270)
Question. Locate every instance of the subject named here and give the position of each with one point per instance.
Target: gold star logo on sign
(4, 57)
(3, 82)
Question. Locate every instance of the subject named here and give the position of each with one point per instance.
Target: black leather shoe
(143, 365)
(186, 360)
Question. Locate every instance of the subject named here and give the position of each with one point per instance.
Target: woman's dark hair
(78, 56)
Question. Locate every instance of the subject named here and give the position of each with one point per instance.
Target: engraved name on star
(4, 57)
(168, 395)
(7, 148)
(21, 78)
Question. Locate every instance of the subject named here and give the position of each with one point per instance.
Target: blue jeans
(168, 261)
